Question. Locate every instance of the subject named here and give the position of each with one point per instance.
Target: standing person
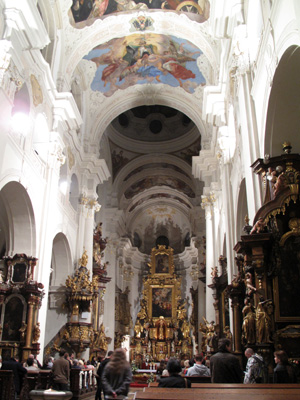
(18, 370)
(198, 369)
(283, 372)
(174, 379)
(254, 368)
(116, 376)
(99, 374)
(225, 366)
(61, 372)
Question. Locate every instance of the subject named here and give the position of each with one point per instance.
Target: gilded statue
(248, 326)
(208, 332)
(142, 314)
(22, 331)
(36, 333)
(263, 321)
(138, 329)
(185, 328)
(181, 310)
(84, 259)
(101, 341)
(227, 333)
(161, 326)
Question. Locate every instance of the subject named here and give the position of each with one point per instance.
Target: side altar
(162, 328)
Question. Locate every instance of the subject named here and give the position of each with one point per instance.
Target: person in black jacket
(18, 370)
(117, 376)
(283, 372)
(99, 375)
(225, 366)
(174, 379)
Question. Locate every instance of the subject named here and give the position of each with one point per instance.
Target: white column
(207, 203)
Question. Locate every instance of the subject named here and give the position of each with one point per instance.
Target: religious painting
(146, 58)
(85, 12)
(13, 317)
(162, 302)
(287, 307)
(162, 264)
(19, 272)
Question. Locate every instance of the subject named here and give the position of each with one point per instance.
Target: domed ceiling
(151, 149)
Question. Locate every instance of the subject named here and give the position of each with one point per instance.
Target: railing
(83, 383)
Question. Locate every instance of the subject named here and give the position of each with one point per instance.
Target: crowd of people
(114, 373)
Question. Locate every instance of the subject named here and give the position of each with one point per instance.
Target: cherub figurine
(249, 285)
(259, 226)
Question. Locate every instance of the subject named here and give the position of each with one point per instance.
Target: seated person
(30, 365)
(198, 369)
(174, 379)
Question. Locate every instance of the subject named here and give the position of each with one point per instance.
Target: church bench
(231, 386)
(235, 392)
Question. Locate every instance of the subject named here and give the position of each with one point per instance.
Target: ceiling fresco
(159, 196)
(145, 58)
(85, 12)
(162, 180)
(155, 166)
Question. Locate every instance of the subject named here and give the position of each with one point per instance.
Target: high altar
(161, 329)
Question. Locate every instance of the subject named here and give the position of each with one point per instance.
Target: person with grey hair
(254, 368)
(225, 366)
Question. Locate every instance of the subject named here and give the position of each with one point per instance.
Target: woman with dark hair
(116, 376)
(174, 379)
(283, 372)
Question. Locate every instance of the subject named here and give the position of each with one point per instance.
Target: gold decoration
(36, 333)
(263, 321)
(71, 158)
(37, 92)
(294, 225)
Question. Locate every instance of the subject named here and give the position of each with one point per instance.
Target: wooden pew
(229, 386)
(7, 387)
(217, 392)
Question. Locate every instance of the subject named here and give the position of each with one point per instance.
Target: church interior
(149, 177)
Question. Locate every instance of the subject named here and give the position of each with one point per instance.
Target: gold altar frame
(168, 312)
(162, 261)
(165, 282)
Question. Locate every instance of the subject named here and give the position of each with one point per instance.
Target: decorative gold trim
(294, 225)
(278, 317)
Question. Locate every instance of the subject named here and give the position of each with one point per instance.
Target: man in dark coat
(174, 379)
(99, 375)
(225, 366)
(18, 371)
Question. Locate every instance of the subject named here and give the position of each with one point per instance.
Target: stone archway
(17, 222)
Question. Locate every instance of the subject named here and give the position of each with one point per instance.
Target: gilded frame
(162, 286)
(294, 225)
(162, 302)
(161, 261)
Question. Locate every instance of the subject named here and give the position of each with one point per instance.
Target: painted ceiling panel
(85, 12)
(145, 58)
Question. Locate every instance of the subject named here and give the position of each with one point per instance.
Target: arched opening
(283, 123)
(61, 267)
(17, 222)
